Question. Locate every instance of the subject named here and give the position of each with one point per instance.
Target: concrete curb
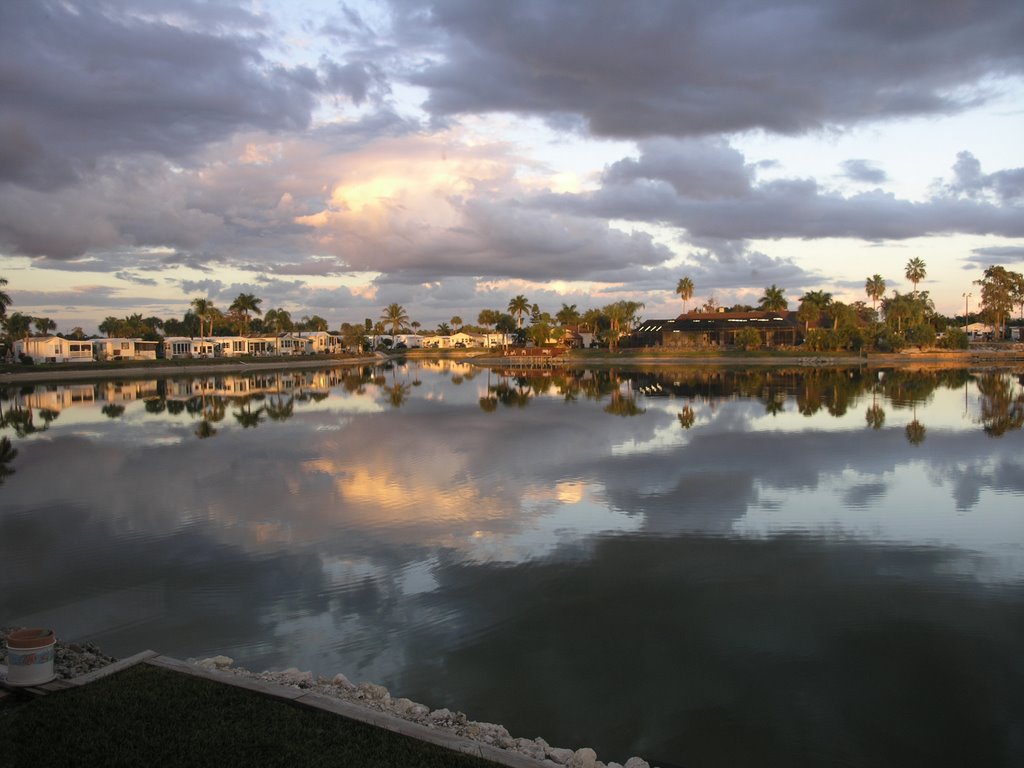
(319, 701)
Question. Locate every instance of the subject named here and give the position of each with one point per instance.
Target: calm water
(731, 568)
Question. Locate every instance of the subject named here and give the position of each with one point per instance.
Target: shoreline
(931, 359)
(84, 660)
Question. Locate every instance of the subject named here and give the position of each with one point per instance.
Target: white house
(980, 330)
(177, 347)
(322, 343)
(124, 349)
(497, 339)
(54, 349)
(230, 346)
(411, 340)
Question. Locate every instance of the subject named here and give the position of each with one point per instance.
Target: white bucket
(30, 656)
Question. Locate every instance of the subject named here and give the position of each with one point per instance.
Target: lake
(700, 566)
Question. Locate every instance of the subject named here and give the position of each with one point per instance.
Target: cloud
(666, 186)
(84, 82)
(996, 254)
(1006, 186)
(695, 69)
(863, 171)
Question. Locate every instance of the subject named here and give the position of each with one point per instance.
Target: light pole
(967, 312)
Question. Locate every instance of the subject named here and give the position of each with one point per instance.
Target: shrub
(748, 339)
(954, 338)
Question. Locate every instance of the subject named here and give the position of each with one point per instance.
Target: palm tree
(456, 322)
(44, 325)
(395, 315)
(812, 305)
(443, 329)
(488, 317)
(874, 287)
(519, 306)
(5, 298)
(203, 309)
(245, 303)
(685, 290)
(18, 325)
(916, 271)
(567, 315)
(774, 299)
(278, 320)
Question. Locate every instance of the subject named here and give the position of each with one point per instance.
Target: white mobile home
(54, 349)
(321, 343)
(124, 349)
(178, 347)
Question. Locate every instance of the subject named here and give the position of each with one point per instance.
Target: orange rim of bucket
(30, 638)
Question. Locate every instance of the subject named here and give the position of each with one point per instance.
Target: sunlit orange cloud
(416, 174)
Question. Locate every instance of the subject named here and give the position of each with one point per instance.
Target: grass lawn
(147, 716)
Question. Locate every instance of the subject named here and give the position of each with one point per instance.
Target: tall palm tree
(203, 309)
(245, 303)
(774, 299)
(874, 287)
(5, 298)
(519, 306)
(456, 322)
(916, 271)
(685, 290)
(395, 316)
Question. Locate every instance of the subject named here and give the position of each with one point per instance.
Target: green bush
(748, 339)
(922, 335)
(954, 338)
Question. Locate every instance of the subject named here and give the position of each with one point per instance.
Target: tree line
(903, 319)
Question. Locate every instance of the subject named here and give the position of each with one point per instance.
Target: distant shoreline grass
(146, 715)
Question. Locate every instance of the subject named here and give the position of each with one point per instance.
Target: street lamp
(967, 312)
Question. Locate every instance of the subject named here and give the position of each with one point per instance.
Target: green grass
(147, 716)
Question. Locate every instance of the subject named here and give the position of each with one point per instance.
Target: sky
(332, 158)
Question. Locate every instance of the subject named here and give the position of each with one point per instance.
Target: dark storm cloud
(706, 189)
(864, 170)
(692, 68)
(83, 81)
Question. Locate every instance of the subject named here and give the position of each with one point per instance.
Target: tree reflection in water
(1002, 404)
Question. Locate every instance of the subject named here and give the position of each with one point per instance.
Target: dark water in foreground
(743, 568)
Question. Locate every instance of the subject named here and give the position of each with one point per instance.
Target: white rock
(583, 758)
(295, 676)
(342, 681)
(374, 691)
(637, 762)
(541, 741)
(615, 765)
(418, 712)
(529, 748)
(441, 716)
(216, 662)
(559, 755)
